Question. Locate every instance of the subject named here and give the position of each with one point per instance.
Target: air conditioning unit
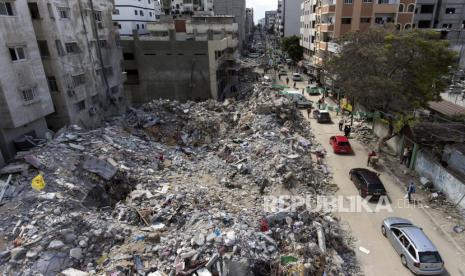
(100, 25)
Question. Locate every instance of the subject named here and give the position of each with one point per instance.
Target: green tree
(394, 72)
(291, 45)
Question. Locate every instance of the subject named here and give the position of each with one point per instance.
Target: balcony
(329, 8)
(322, 45)
(326, 27)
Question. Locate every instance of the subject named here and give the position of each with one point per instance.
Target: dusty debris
(176, 188)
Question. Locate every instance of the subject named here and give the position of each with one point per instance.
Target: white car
(296, 77)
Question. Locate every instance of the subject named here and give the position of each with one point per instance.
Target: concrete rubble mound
(174, 189)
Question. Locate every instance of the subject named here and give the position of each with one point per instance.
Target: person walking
(295, 84)
(309, 111)
(287, 80)
(410, 190)
(341, 124)
(406, 156)
(371, 154)
(303, 90)
(347, 131)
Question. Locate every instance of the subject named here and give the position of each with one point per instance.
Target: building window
(135, 12)
(346, 20)
(52, 84)
(103, 43)
(411, 8)
(60, 50)
(128, 56)
(142, 26)
(43, 48)
(119, 26)
(401, 7)
(447, 26)
(141, 12)
(426, 8)
(463, 24)
(50, 11)
(17, 53)
(424, 24)
(407, 26)
(72, 48)
(80, 105)
(98, 16)
(450, 10)
(348, 1)
(64, 13)
(33, 10)
(367, 1)
(116, 11)
(79, 79)
(150, 14)
(6, 8)
(28, 94)
(137, 26)
(365, 19)
(383, 1)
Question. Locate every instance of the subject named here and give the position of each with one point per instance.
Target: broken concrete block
(73, 272)
(14, 168)
(100, 167)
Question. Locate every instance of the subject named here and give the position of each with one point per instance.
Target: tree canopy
(391, 71)
(291, 45)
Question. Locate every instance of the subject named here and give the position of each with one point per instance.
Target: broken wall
(443, 180)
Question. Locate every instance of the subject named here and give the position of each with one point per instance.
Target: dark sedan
(367, 182)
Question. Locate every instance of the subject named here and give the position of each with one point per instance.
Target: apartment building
(78, 44)
(288, 18)
(25, 99)
(279, 20)
(183, 59)
(235, 8)
(322, 22)
(132, 15)
(189, 7)
(249, 24)
(270, 18)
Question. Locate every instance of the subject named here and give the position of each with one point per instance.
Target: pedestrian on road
(309, 111)
(287, 81)
(341, 124)
(303, 89)
(410, 190)
(347, 131)
(295, 84)
(370, 155)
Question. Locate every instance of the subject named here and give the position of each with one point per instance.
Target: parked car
(321, 116)
(312, 90)
(367, 182)
(340, 144)
(282, 72)
(296, 77)
(297, 98)
(415, 249)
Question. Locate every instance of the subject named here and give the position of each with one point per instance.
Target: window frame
(29, 94)
(63, 11)
(9, 11)
(15, 49)
(348, 2)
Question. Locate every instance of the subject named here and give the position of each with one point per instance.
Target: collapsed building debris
(175, 189)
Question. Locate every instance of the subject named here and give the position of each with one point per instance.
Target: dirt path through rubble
(365, 227)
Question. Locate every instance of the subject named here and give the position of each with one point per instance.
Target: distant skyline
(260, 6)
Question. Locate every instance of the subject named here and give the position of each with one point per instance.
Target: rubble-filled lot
(175, 189)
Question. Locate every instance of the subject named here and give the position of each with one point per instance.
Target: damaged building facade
(63, 67)
(182, 59)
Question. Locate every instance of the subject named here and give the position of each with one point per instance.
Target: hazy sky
(260, 6)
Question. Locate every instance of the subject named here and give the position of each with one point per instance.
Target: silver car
(416, 250)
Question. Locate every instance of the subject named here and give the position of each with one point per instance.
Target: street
(365, 227)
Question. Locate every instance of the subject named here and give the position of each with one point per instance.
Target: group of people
(345, 126)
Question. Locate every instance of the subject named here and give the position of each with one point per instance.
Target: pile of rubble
(174, 189)
(363, 133)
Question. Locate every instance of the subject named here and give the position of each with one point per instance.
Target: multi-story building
(270, 18)
(261, 22)
(134, 15)
(25, 99)
(78, 44)
(235, 8)
(322, 22)
(279, 20)
(249, 24)
(183, 59)
(186, 7)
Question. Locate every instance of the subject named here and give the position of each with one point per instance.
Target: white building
(236, 8)
(291, 17)
(133, 15)
(307, 28)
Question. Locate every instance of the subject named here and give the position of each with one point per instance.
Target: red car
(340, 144)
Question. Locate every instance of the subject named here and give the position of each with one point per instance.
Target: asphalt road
(365, 226)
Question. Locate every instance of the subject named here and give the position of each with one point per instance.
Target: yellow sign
(38, 183)
(345, 105)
